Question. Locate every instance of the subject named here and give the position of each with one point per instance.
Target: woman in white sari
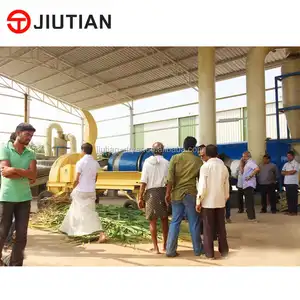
(82, 218)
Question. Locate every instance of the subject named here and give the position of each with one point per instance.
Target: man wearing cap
(18, 168)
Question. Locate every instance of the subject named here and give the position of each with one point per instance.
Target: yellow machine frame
(62, 173)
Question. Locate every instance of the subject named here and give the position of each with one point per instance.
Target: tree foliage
(37, 148)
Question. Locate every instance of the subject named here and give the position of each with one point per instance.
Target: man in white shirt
(82, 218)
(213, 192)
(152, 193)
(290, 171)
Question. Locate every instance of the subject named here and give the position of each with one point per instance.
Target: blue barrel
(134, 160)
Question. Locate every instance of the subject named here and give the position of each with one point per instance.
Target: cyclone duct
(291, 94)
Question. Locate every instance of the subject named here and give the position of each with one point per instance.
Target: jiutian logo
(19, 21)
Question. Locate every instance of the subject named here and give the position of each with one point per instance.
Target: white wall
(168, 132)
(113, 144)
(113, 135)
(229, 132)
(113, 127)
(161, 133)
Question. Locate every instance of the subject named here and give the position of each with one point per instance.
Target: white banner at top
(149, 23)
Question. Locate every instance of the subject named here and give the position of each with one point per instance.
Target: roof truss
(92, 77)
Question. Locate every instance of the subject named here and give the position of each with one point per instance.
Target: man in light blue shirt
(290, 171)
(249, 184)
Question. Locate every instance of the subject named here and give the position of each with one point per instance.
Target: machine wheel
(45, 194)
(131, 204)
(130, 193)
(97, 198)
(42, 200)
(98, 195)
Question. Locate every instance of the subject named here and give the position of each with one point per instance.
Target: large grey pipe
(48, 140)
(291, 93)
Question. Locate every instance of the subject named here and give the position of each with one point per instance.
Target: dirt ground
(274, 241)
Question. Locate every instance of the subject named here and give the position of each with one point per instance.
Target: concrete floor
(274, 241)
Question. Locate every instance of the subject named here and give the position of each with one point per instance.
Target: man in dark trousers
(239, 185)
(205, 158)
(18, 167)
(249, 185)
(213, 192)
(290, 171)
(267, 178)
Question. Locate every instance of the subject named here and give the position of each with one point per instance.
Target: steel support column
(131, 128)
(26, 108)
(82, 131)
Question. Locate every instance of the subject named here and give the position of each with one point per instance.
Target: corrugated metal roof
(91, 77)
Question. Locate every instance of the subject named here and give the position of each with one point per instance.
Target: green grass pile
(122, 225)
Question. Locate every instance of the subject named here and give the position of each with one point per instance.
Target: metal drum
(133, 160)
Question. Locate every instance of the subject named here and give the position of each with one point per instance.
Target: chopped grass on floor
(122, 225)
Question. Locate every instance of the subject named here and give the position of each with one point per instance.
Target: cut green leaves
(122, 225)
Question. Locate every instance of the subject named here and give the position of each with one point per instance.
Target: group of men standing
(191, 188)
(198, 188)
(266, 178)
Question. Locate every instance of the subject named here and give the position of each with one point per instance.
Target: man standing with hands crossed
(18, 169)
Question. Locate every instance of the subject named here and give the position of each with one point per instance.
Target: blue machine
(134, 160)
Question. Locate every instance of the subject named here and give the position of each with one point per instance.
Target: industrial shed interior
(99, 95)
(94, 77)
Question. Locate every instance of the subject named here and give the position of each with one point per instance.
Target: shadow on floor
(53, 245)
